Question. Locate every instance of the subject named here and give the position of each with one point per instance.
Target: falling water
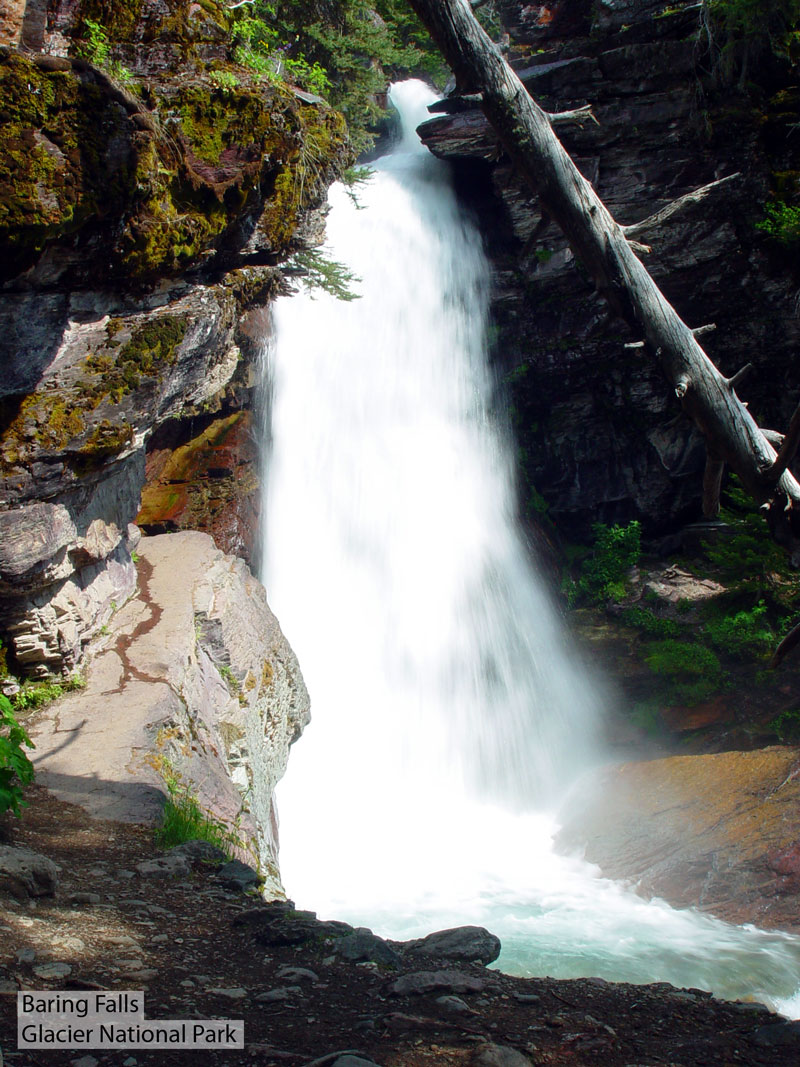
(448, 709)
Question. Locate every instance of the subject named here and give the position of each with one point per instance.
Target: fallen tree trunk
(526, 133)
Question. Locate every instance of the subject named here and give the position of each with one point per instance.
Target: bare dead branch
(774, 437)
(698, 331)
(578, 116)
(637, 246)
(740, 375)
(679, 205)
(712, 485)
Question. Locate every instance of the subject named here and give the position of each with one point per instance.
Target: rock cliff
(194, 688)
(149, 189)
(600, 436)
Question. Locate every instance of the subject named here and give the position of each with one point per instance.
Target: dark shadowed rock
(27, 874)
(468, 943)
(238, 875)
(200, 852)
(362, 944)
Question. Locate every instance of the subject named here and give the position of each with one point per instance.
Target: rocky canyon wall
(600, 436)
(149, 193)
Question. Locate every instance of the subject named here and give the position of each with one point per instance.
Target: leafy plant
(650, 623)
(224, 80)
(692, 670)
(37, 694)
(745, 633)
(782, 223)
(604, 573)
(318, 272)
(96, 45)
(184, 820)
(96, 49)
(16, 770)
(786, 726)
(747, 558)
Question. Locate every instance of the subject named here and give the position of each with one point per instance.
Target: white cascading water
(448, 711)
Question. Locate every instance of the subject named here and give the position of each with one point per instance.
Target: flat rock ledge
(193, 685)
(719, 832)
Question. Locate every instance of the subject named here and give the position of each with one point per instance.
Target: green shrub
(37, 694)
(745, 633)
(782, 223)
(651, 624)
(16, 770)
(748, 558)
(786, 726)
(692, 671)
(604, 573)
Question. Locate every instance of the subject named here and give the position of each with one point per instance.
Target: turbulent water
(448, 711)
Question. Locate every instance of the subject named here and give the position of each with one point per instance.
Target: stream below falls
(450, 714)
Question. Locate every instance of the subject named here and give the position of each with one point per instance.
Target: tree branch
(578, 116)
(677, 206)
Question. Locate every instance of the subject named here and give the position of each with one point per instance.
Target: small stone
(159, 939)
(453, 1004)
(279, 993)
(52, 970)
(187, 983)
(233, 993)
(26, 955)
(130, 1062)
(200, 852)
(353, 1061)
(526, 998)
(173, 865)
(85, 1061)
(85, 898)
(297, 974)
(499, 1056)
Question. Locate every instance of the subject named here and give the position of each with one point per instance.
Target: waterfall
(448, 711)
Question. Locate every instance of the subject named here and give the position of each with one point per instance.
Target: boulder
(467, 943)
(26, 874)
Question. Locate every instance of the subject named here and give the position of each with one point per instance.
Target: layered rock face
(600, 434)
(145, 207)
(196, 689)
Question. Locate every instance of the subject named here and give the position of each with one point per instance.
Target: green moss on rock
(64, 157)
